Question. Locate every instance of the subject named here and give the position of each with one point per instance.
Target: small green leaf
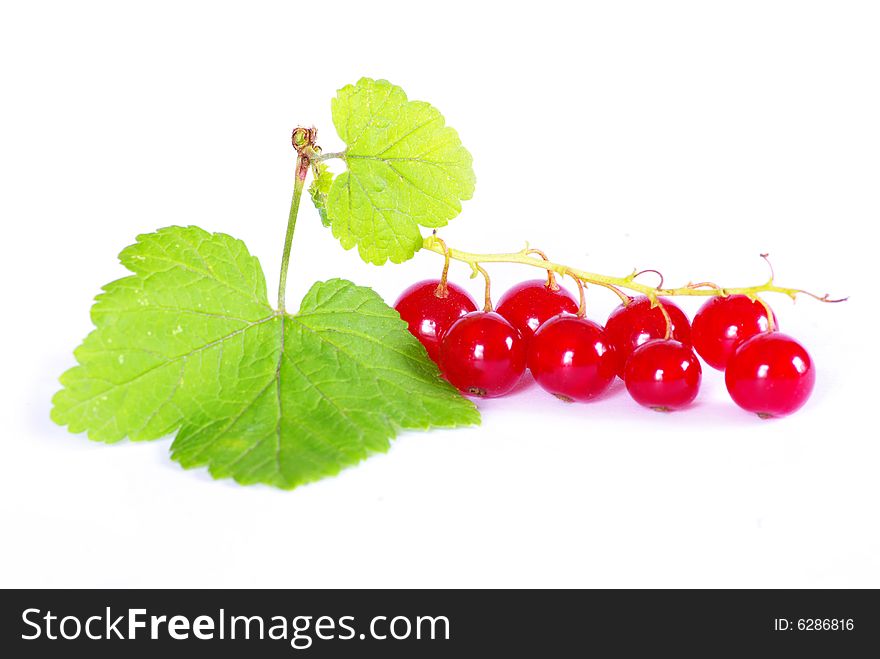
(320, 189)
(405, 168)
(190, 343)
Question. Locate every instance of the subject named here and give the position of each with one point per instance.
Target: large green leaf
(405, 168)
(190, 343)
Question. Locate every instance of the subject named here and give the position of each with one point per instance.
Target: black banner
(445, 623)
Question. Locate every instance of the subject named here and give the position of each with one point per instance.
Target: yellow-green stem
(523, 257)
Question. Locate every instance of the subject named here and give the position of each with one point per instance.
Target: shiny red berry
(528, 304)
(770, 374)
(723, 323)
(632, 325)
(664, 375)
(429, 315)
(483, 355)
(571, 358)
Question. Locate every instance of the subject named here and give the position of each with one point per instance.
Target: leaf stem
(524, 257)
(327, 156)
(302, 169)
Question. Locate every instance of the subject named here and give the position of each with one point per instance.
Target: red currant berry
(723, 323)
(571, 358)
(770, 374)
(483, 355)
(429, 315)
(664, 375)
(528, 304)
(632, 325)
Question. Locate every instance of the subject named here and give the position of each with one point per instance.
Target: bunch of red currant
(540, 326)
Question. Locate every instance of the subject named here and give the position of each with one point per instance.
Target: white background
(685, 136)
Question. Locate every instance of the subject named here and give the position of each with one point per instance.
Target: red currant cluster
(540, 326)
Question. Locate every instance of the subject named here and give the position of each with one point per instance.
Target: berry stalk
(617, 284)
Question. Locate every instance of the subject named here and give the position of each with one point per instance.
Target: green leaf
(190, 343)
(405, 168)
(320, 189)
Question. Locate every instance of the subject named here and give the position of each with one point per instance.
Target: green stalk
(298, 184)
